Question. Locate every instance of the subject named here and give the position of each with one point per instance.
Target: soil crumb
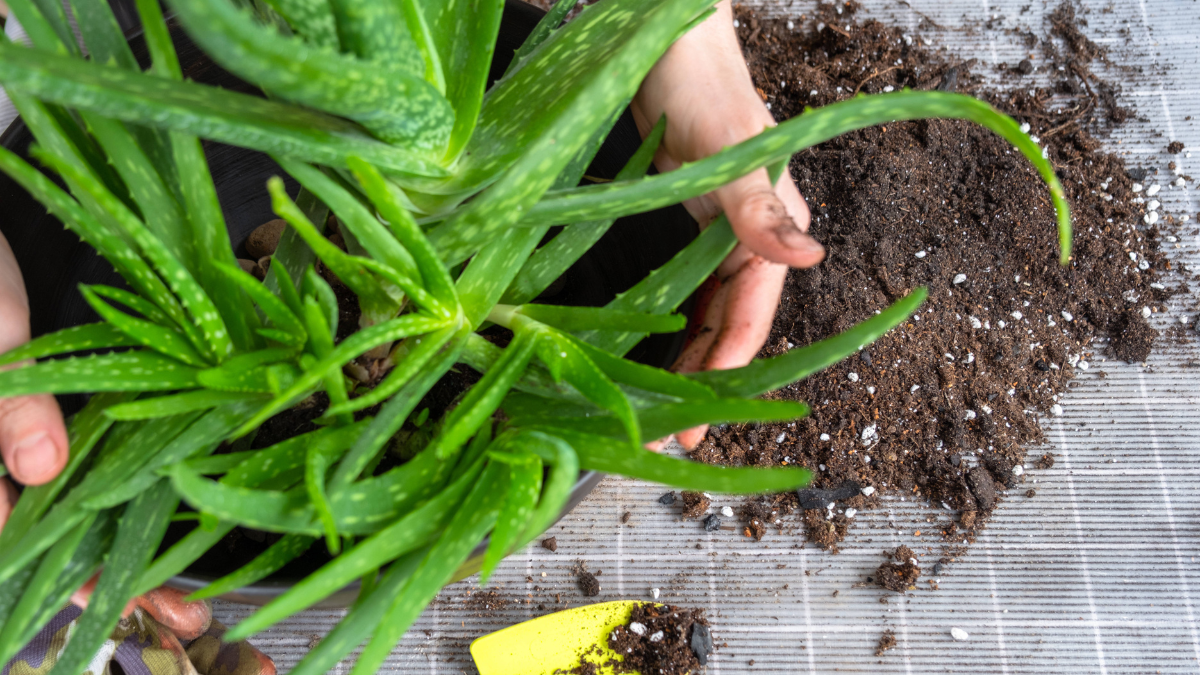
(589, 585)
(886, 641)
(945, 406)
(695, 504)
(550, 544)
(899, 574)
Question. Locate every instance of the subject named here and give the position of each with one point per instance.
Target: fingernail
(33, 457)
(791, 237)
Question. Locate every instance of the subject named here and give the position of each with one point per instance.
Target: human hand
(33, 440)
(703, 86)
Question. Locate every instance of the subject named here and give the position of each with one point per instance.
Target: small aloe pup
(379, 109)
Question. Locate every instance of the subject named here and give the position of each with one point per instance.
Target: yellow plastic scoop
(552, 642)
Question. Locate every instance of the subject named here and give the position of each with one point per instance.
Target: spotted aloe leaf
(376, 30)
(75, 339)
(312, 19)
(127, 371)
(534, 121)
(779, 143)
(397, 105)
(145, 333)
(222, 115)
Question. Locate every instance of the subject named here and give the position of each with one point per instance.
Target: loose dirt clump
(886, 641)
(695, 504)
(945, 406)
(901, 573)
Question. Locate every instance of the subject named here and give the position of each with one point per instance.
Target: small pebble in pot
(727, 511)
(712, 523)
(667, 499)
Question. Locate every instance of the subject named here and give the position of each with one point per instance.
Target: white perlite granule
(868, 491)
(637, 628)
(959, 634)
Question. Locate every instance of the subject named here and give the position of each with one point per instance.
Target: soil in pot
(945, 406)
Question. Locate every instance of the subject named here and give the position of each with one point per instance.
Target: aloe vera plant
(380, 110)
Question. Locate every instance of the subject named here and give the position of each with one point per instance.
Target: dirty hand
(161, 634)
(33, 440)
(703, 86)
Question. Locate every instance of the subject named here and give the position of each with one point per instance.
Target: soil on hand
(944, 407)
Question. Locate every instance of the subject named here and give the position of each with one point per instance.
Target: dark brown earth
(886, 641)
(672, 653)
(899, 574)
(945, 406)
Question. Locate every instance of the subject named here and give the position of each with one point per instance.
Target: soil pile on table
(944, 407)
(899, 574)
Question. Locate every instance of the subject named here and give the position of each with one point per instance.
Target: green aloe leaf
(287, 549)
(493, 269)
(524, 488)
(464, 36)
(350, 348)
(397, 105)
(661, 420)
(376, 30)
(584, 318)
(311, 18)
(75, 339)
(315, 469)
(549, 22)
(362, 619)
(177, 404)
(46, 25)
(664, 288)
(613, 200)
(237, 119)
(470, 523)
(646, 378)
(133, 301)
(199, 305)
(400, 379)
(563, 474)
(141, 528)
(165, 341)
(423, 370)
(275, 309)
(127, 371)
(426, 44)
(483, 398)
(377, 303)
(123, 258)
(362, 223)
(551, 261)
(407, 534)
(764, 375)
(536, 120)
(437, 279)
(567, 362)
(177, 558)
(603, 454)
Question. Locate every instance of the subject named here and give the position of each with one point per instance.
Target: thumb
(33, 440)
(772, 221)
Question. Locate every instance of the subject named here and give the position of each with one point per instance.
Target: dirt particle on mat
(626, 516)
(983, 488)
(1031, 493)
(486, 602)
(668, 499)
(899, 574)
(589, 585)
(695, 504)
(550, 544)
(1175, 147)
(1133, 338)
(1044, 462)
(886, 642)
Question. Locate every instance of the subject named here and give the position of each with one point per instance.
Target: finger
(764, 223)
(747, 314)
(694, 355)
(33, 440)
(187, 620)
(8, 497)
(81, 597)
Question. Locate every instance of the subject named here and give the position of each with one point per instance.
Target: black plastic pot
(54, 261)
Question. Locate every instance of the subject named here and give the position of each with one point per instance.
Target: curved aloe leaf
(129, 371)
(397, 105)
(150, 335)
(75, 339)
(222, 115)
(613, 200)
(765, 375)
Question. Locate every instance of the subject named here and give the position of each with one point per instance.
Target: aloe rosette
(445, 190)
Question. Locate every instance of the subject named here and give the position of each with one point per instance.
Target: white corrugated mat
(1096, 574)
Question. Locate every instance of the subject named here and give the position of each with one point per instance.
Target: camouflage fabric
(141, 645)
